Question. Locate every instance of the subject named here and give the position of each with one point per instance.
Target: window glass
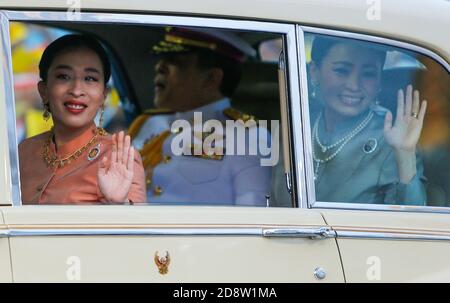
(374, 139)
(201, 108)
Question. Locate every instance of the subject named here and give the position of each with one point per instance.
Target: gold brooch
(370, 145)
(93, 153)
(162, 263)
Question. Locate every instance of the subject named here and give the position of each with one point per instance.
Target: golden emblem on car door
(162, 263)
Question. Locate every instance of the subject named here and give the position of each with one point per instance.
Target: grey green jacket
(364, 171)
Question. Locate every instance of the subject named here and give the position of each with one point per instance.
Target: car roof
(416, 21)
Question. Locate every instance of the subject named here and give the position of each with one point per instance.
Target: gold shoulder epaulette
(140, 120)
(158, 111)
(235, 114)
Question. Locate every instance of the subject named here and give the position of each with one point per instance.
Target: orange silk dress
(74, 183)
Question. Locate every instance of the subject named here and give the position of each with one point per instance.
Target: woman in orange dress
(77, 162)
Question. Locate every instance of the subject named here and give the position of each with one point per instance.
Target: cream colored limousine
(339, 203)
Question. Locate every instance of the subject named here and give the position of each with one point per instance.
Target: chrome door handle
(311, 233)
(4, 233)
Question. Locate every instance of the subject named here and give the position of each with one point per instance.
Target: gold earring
(46, 113)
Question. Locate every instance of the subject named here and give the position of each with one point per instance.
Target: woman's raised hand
(405, 133)
(115, 175)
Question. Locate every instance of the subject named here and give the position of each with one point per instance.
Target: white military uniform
(231, 180)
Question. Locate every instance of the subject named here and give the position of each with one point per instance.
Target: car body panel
(414, 21)
(392, 246)
(395, 260)
(211, 244)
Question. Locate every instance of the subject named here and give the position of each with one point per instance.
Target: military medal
(93, 153)
(370, 146)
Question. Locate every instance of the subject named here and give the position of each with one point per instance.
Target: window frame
(307, 156)
(289, 31)
(12, 179)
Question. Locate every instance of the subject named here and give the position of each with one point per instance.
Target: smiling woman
(355, 140)
(82, 163)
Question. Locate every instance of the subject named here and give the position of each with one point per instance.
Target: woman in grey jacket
(361, 152)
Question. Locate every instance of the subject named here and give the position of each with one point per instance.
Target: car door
(392, 246)
(169, 244)
(203, 244)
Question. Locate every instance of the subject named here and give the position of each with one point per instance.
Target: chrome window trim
(14, 178)
(295, 95)
(309, 186)
(381, 207)
(289, 30)
(306, 233)
(376, 39)
(309, 167)
(157, 20)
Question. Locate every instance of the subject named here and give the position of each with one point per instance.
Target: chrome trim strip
(10, 111)
(372, 38)
(389, 236)
(137, 232)
(294, 114)
(379, 207)
(4, 233)
(316, 233)
(312, 233)
(309, 188)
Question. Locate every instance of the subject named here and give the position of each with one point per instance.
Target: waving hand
(115, 175)
(405, 133)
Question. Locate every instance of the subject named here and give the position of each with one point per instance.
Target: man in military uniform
(197, 72)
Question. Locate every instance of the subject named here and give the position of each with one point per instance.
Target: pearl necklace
(339, 144)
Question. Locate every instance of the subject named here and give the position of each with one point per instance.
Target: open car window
(28, 42)
(243, 173)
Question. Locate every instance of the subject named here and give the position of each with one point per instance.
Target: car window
(240, 173)
(373, 138)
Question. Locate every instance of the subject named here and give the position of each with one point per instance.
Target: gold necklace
(52, 161)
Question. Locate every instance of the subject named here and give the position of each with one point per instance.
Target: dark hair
(322, 45)
(70, 42)
(232, 70)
